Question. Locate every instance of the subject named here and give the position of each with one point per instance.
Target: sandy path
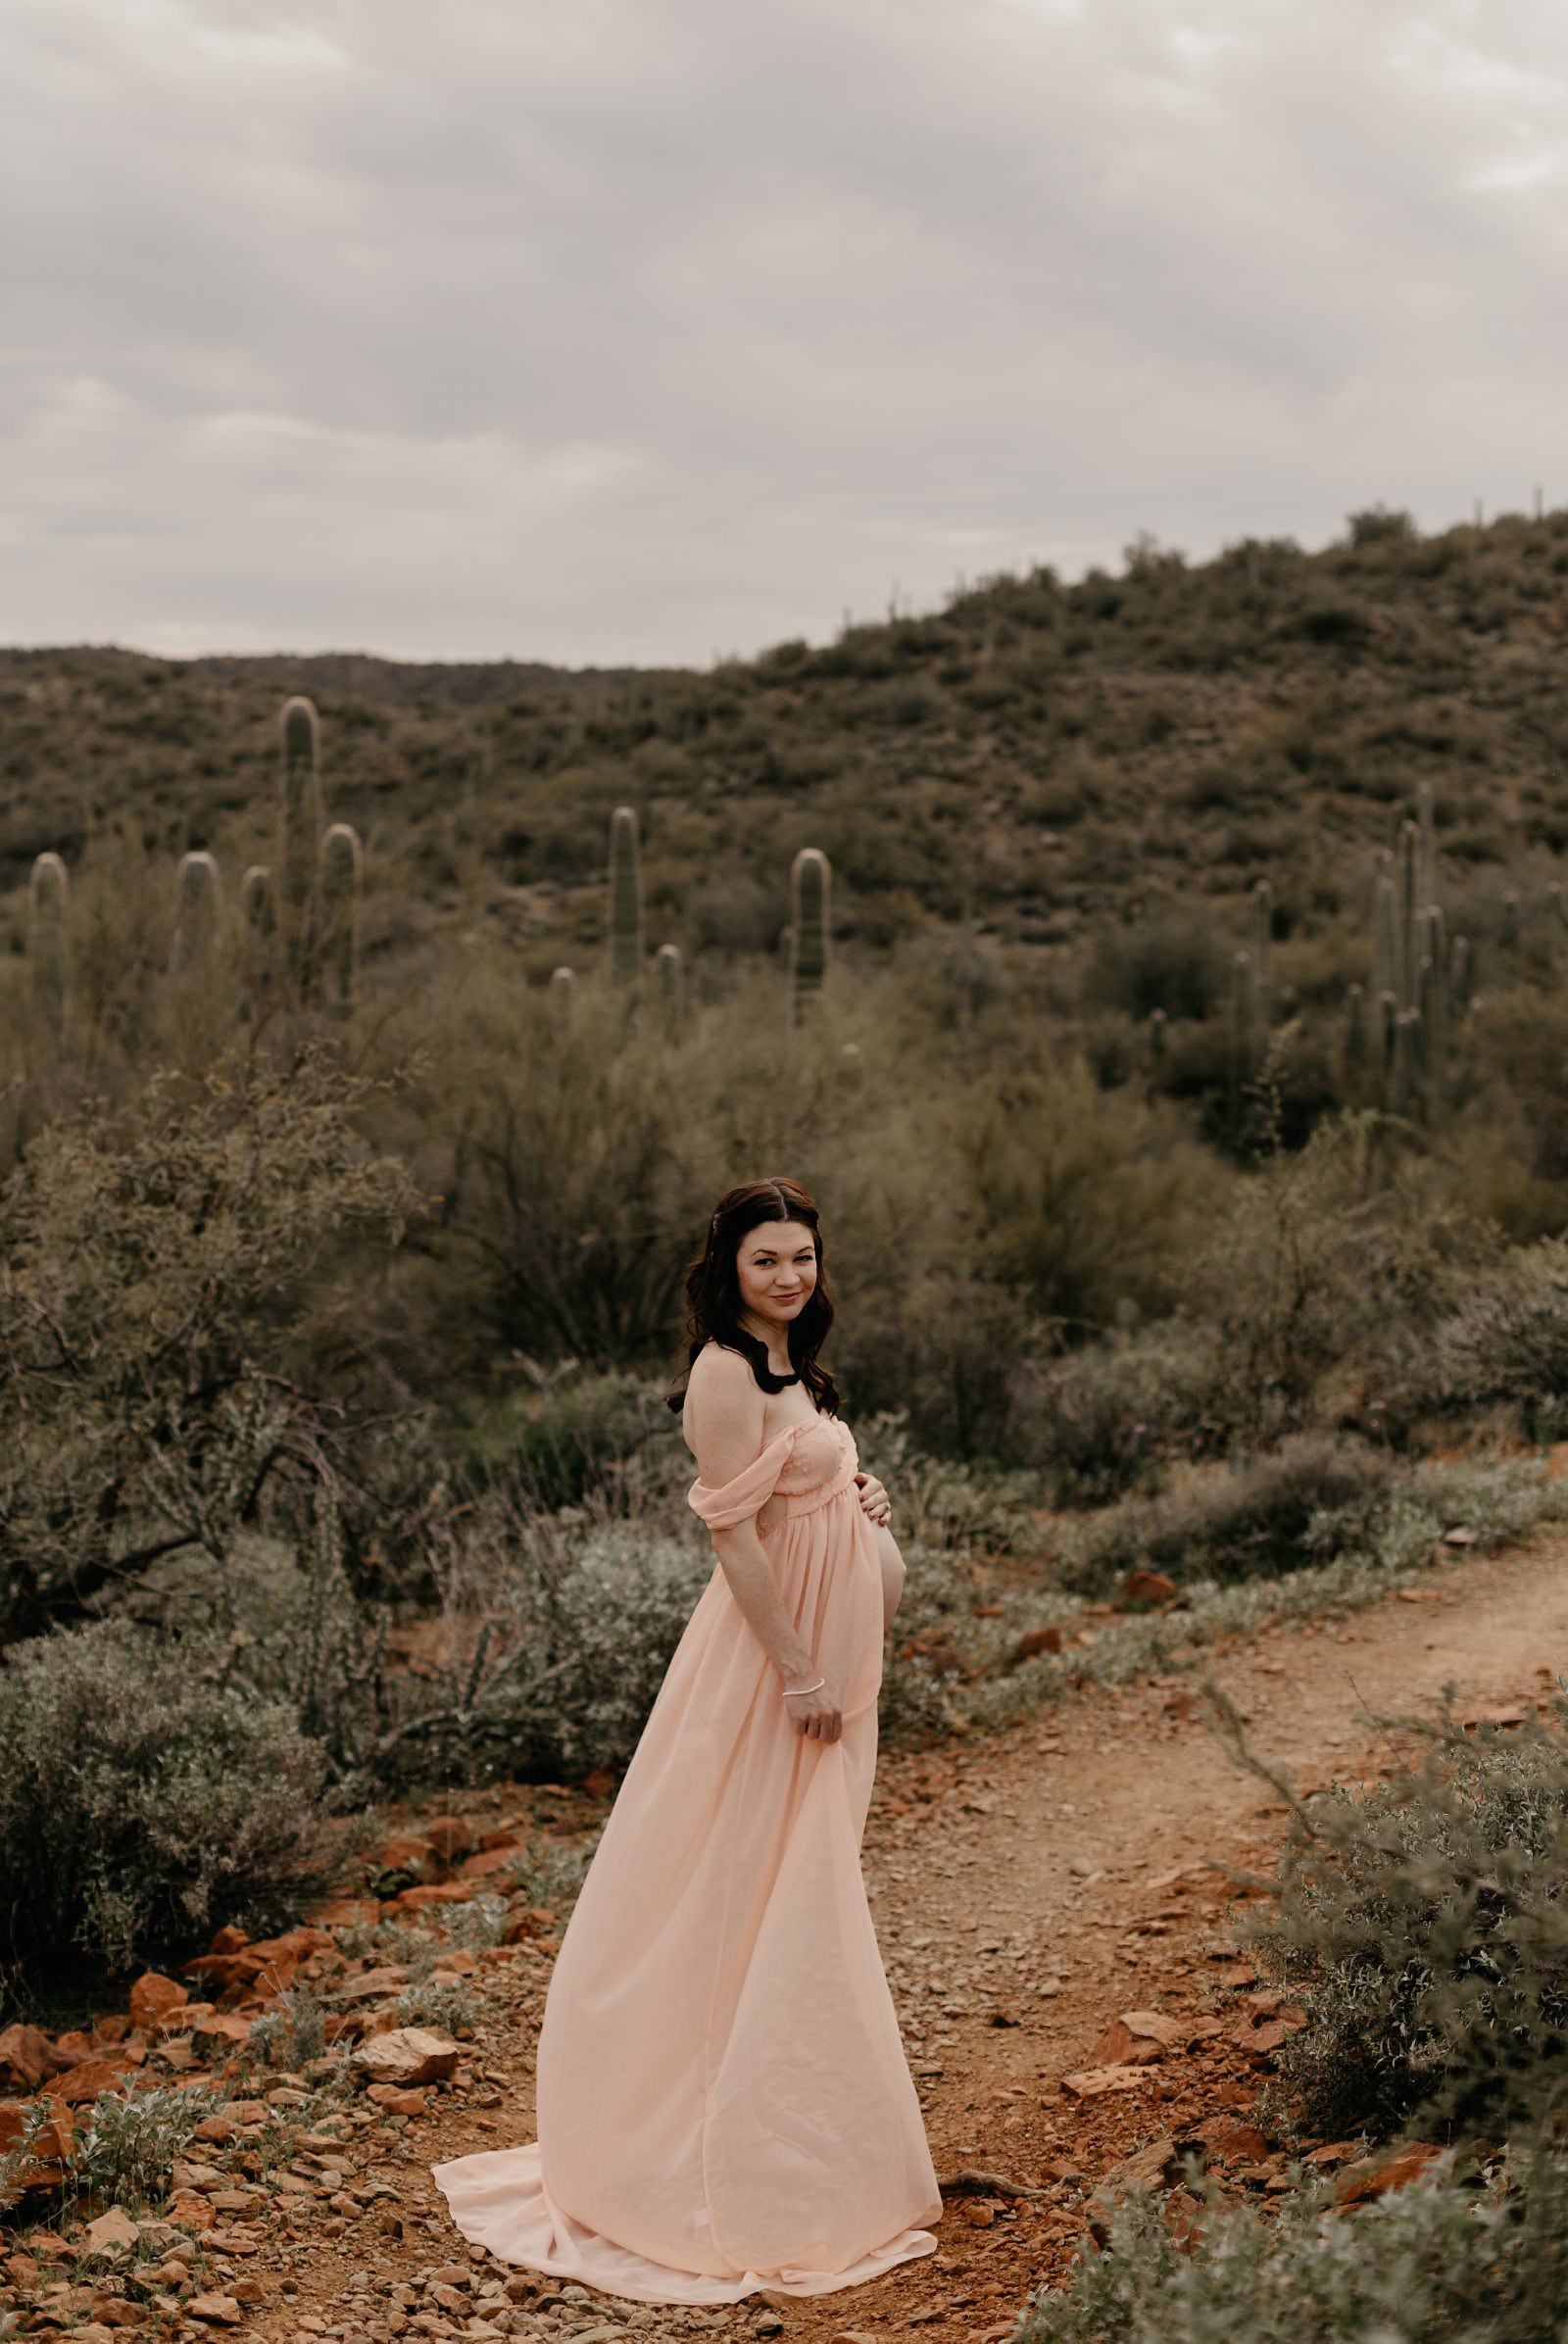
(1019, 1883)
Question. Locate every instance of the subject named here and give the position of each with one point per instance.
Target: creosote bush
(1422, 1924)
(143, 1802)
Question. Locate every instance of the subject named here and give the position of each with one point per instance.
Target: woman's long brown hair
(713, 1291)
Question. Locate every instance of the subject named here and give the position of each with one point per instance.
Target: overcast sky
(641, 330)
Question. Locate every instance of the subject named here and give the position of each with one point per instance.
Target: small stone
(1093, 2084)
(111, 2232)
(1147, 1587)
(408, 2056)
(219, 2310)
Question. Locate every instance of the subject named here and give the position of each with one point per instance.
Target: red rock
(395, 2100)
(1138, 2037)
(1033, 1641)
(112, 2027)
(450, 1837)
(408, 1851)
(1093, 2084)
(51, 2150)
(216, 2311)
(1368, 2179)
(1147, 1587)
(415, 1900)
(406, 2056)
(1237, 2141)
(1156, 2166)
(600, 1784)
(191, 2211)
(26, 2057)
(153, 1998)
(221, 2026)
(349, 1911)
(92, 2076)
(488, 1862)
(1333, 2154)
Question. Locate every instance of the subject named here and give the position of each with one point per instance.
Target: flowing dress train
(723, 2100)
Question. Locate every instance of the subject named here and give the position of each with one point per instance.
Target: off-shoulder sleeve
(738, 1499)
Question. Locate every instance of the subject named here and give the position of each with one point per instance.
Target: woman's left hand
(875, 1499)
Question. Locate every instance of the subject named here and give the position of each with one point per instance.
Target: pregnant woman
(723, 2099)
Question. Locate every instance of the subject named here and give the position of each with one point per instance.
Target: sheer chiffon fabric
(723, 2100)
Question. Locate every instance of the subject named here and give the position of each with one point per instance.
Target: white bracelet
(805, 1688)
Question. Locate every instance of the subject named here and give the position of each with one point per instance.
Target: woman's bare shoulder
(730, 1404)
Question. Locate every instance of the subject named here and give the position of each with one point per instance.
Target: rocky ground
(1059, 1942)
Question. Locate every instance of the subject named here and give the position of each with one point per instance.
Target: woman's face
(777, 1264)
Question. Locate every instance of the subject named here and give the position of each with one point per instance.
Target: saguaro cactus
(339, 900)
(196, 911)
(1411, 967)
(1262, 959)
(299, 827)
(673, 989)
(1240, 1023)
(626, 923)
(257, 936)
(1355, 1034)
(49, 943)
(810, 889)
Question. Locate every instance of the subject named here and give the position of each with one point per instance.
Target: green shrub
(1313, 1498)
(1507, 1340)
(1422, 1925)
(1098, 1420)
(291, 2031)
(1466, 2255)
(143, 1802)
(130, 2141)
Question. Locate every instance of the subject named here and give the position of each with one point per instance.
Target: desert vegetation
(1158, 981)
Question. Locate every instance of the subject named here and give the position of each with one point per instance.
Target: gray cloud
(645, 329)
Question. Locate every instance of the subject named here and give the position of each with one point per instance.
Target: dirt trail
(1028, 1887)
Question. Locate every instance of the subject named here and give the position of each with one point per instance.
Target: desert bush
(446, 2003)
(1174, 962)
(1327, 1273)
(1507, 1340)
(162, 1281)
(1422, 1924)
(1090, 1202)
(124, 2153)
(1100, 1421)
(1478, 2253)
(144, 1801)
(1311, 1498)
(291, 2031)
(603, 1629)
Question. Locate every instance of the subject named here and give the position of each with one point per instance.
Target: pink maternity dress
(723, 2100)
